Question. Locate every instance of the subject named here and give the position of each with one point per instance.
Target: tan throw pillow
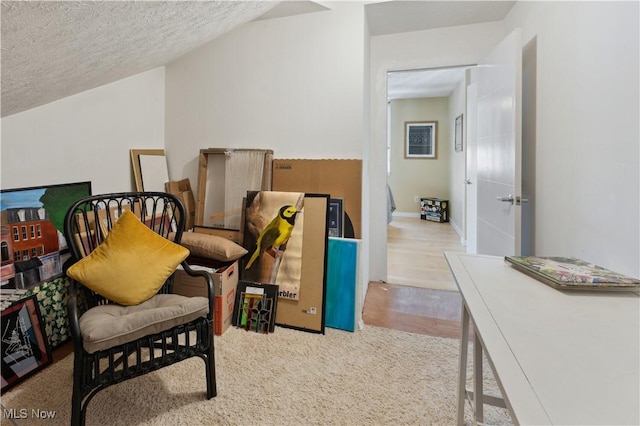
(131, 264)
(212, 247)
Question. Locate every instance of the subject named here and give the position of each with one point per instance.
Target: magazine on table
(569, 273)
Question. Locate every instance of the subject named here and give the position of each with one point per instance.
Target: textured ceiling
(53, 49)
(431, 83)
(392, 17)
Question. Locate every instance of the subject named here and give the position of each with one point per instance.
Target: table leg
(478, 394)
(462, 378)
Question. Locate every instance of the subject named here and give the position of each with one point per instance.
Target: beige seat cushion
(111, 325)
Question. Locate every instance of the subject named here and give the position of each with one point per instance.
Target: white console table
(559, 357)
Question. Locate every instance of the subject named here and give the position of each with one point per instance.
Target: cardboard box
(225, 281)
(182, 190)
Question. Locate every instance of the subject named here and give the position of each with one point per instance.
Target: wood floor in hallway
(420, 295)
(415, 250)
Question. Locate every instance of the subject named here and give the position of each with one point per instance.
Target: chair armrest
(209, 282)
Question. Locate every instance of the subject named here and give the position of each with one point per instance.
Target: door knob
(467, 181)
(509, 199)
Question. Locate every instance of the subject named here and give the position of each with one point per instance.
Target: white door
(499, 143)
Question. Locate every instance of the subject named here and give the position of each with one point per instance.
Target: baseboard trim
(458, 231)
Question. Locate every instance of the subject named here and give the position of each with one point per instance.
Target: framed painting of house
(31, 228)
(421, 139)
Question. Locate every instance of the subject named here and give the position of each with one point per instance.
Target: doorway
(415, 247)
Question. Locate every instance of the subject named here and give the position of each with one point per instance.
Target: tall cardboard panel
(339, 178)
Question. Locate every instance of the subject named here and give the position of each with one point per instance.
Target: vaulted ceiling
(54, 49)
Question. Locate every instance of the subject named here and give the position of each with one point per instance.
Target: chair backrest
(89, 220)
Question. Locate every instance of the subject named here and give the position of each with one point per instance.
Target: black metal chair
(87, 224)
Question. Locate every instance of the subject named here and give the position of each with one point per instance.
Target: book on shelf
(569, 273)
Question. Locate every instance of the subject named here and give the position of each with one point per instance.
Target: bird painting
(276, 233)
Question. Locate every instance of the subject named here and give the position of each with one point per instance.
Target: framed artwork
(421, 139)
(32, 232)
(308, 312)
(274, 240)
(458, 133)
(255, 307)
(25, 349)
(297, 263)
(336, 217)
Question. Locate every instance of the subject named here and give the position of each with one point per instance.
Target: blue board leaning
(342, 282)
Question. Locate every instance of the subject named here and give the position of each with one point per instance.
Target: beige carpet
(415, 253)
(372, 377)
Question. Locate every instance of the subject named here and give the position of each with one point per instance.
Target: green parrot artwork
(276, 233)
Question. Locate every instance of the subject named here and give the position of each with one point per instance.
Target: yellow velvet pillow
(131, 264)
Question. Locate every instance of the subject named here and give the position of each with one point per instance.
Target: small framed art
(421, 139)
(458, 135)
(25, 348)
(336, 217)
(255, 306)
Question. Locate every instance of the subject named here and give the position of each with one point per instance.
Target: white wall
(85, 137)
(294, 85)
(587, 150)
(444, 47)
(411, 177)
(297, 85)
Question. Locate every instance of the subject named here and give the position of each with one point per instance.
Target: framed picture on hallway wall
(458, 136)
(421, 139)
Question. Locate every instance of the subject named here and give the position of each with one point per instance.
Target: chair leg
(77, 413)
(211, 373)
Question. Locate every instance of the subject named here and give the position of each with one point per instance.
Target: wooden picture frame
(308, 312)
(213, 187)
(421, 139)
(25, 348)
(301, 275)
(458, 133)
(150, 171)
